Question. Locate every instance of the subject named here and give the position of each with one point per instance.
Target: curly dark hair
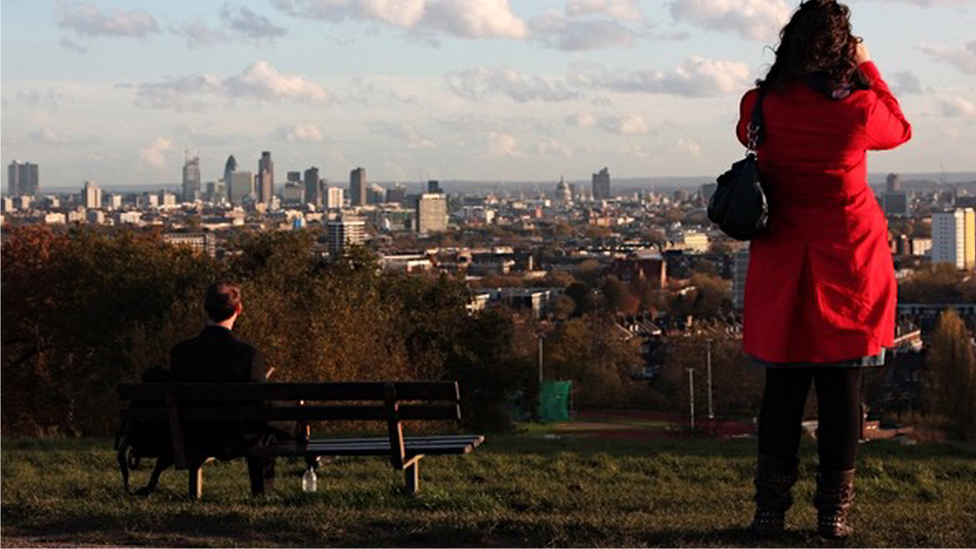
(817, 40)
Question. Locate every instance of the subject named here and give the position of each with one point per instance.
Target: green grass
(514, 491)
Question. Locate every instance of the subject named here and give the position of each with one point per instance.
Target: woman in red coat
(820, 294)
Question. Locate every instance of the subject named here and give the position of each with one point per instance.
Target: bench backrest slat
(351, 391)
(192, 414)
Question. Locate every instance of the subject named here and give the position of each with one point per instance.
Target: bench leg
(261, 472)
(412, 475)
(196, 482)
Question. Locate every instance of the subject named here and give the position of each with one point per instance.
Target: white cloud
(502, 144)
(962, 58)
(558, 31)
(689, 147)
(153, 155)
(249, 25)
(905, 82)
(461, 18)
(551, 147)
(259, 81)
(199, 34)
(621, 10)
(954, 106)
(262, 81)
(581, 120)
(71, 45)
(696, 77)
(302, 133)
(631, 124)
(751, 19)
(478, 84)
(87, 19)
(406, 133)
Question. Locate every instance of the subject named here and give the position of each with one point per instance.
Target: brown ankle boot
(775, 477)
(835, 494)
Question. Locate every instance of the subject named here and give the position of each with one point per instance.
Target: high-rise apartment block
(431, 213)
(344, 232)
(191, 179)
(264, 182)
(601, 185)
(740, 269)
(91, 196)
(22, 179)
(954, 238)
(357, 187)
(335, 196)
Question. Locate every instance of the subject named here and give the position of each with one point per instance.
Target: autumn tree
(952, 368)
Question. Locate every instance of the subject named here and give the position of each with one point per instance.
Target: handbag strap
(754, 130)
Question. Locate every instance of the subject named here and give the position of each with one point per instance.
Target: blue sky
(496, 90)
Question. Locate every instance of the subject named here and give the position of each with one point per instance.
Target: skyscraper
(22, 179)
(334, 198)
(313, 191)
(229, 168)
(91, 196)
(357, 187)
(191, 179)
(265, 178)
(241, 186)
(431, 213)
(601, 185)
(892, 183)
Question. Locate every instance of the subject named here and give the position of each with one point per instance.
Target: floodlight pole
(540, 360)
(708, 373)
(691, 397)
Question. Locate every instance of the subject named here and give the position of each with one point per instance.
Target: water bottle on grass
(309, 480)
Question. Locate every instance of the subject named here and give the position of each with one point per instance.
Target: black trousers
(839, 413)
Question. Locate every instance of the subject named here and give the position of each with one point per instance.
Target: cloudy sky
(499, 90)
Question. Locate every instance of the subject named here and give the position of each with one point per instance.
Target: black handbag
(738, 206)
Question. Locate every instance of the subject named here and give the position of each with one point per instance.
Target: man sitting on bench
(215, 356)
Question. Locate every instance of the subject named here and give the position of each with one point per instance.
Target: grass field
(528, 490)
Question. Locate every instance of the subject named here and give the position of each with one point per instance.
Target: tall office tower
(91, 196)
(22, 179)
(344, 232)
(313, 191)
(357, 187)
(434, 186)
(294, 177)
(241, 186)
(397, 194)
(264, 181)
(892, 183)
(191, 179)
(954, 238)
(375, 194)
(740, 269)
(230, 167)
(601, 185)
(431, 213)
(334, 198)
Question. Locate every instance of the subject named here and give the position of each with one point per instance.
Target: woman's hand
(861, 55)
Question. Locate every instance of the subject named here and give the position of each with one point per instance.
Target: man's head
(223, 301)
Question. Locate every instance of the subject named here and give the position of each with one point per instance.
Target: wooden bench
(181, 404)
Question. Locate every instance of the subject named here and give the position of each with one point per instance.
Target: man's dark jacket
(216, 356)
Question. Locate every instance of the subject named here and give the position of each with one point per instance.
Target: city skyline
(484, 90)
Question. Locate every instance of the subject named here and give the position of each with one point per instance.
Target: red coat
(821, 285)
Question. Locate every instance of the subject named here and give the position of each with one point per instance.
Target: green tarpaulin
(554, 401)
